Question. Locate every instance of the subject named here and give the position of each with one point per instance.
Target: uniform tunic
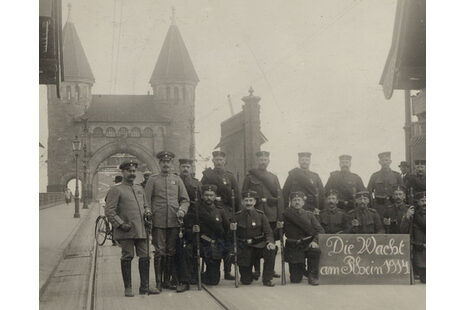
(166, 194)
(333, 220)
(418, 233)
(383, 183)
(125, 203)
(369, 221)
(395, 213)
(346, 184)
(308, 182)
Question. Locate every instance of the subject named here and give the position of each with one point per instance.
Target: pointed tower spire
(173, 15)
(68, 20)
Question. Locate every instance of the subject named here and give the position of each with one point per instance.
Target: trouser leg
(313, 259)
(256, 268)
(246, 274)
(159, 264)
(212, 272)
(296, 272)
(269, 257)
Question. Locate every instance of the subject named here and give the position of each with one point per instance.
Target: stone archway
(110, 149)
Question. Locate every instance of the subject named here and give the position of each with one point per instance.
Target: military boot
(313, 278)
(158, 263)
(126, 272)
(168, 274)
(144, 269)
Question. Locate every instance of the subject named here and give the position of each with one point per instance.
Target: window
(78, 92)
(135, 132)
(168, 92)
(98, 132)
(123, 131)
(68, 92)
(148, 132)
(176, 94)
(110, 132)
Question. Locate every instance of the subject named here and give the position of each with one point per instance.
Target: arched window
(68, 92)
(98, 132)
(148, 132)
(110, 132)
(184, 94)
(135, 132)
(123, 131)
(78, 92)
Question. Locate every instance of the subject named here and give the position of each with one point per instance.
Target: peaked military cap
(304, 154)
(384, 155)
(420, 162)
(262, 153)
(165, 155)
(147, 172)
(420, 195)
(404, 164)
(118, 178)
(183, 161)
(332, 192)
(218, 154)
(399, 188)
(249, 194)
(209, 187)
(128, 163)
(362, 194)
(345, 157)
(297, 194)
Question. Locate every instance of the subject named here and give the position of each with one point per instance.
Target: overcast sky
(315, 64)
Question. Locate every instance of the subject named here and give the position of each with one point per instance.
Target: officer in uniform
(266, 185)
(333, 219)
(255, 240)
(363, 220)
(345, 183)
(394, 212)
(147, 175)
(414, 223)
(417, 182)
(169, 201)
(301, 229)
(383, 182)
(225, 183)
(125, 209)
(187, 269)
(303, 180)
(214, 227)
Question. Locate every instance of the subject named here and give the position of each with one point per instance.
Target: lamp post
(76, 149)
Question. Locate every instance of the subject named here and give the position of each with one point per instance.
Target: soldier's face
(263, 162)
(219, 161)
(304, 162)
(129, 174)
(248, 202)
(166, 165)
(185, 169)
(146, 177)
(422, 202)
(209, 197)
(385, 162)
(363, 201)
(420, 169)
(331, 201)
(297, 202)
(399, 196)
(345, 164)
(403, 169)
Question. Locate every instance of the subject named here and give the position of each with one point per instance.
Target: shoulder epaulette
(238, 212)
(351, 211)
(260, 211)
(372, 210)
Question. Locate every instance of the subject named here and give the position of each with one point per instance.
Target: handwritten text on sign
(364, 259)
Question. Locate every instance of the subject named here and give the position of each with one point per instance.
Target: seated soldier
(332, 219)
(301, 229)
(363, 220)
(393, 213)
(255, 240)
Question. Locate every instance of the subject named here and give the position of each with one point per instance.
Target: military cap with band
(399, 188)
(262, 153)
(332, 192)
(345, 157)
(183, 161)
(165, 155)
(404, 164)
(304, 154)
(249, 194)
(384, 155)
(362, 194)
(218, 154)
(128, 163)
(297, 194)
(209, 187)
(420, 162)
(147, 172)
(420, 195)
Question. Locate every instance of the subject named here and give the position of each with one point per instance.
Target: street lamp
(76, 149)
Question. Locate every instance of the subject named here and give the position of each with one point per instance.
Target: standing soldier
(266, 185)
(255, 240)
(382, 183)
(225, 183)
(345, 183)
(169, 201)
(404, 171)
(414, 223)
(303, 180)
(394, 212)
(363, 220)
(418, 181)
(186, 266)
(302, 228)
(333, 219)
(125, 209)
(147, 175)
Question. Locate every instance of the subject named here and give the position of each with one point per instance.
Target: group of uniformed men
(176, 207)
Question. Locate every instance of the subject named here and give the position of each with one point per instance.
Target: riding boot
(158, 266)
(169, 271)
(144, 269)
(126, 272)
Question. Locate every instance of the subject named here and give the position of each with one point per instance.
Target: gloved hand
(316, 211)
(410, 212)
(180, 213)
(125, 227)
(271, 246)
(387, 221)
(314, 245)
(355, 222)
(279, 224)
(195, 228)
(233, 226)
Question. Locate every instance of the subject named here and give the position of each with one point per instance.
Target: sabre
(148, 230)
(236, 270)
(196, 230)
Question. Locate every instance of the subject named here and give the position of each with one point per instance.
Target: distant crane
(231, 109)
